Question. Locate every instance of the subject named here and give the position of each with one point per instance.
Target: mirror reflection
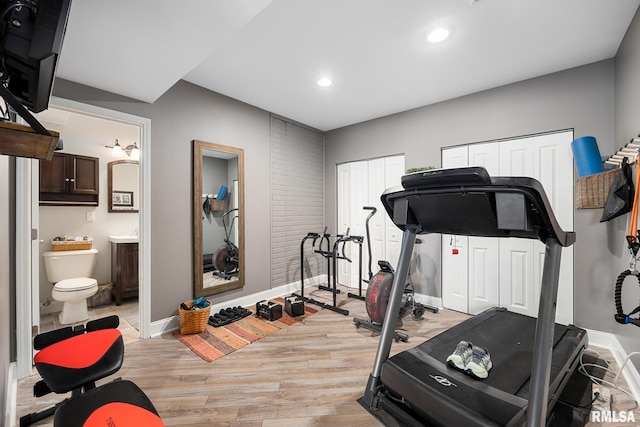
(218, 218)
(124, 186)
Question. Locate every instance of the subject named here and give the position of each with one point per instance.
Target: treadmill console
(467, 201)
(446, 177)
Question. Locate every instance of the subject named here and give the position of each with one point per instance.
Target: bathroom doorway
(86, 131)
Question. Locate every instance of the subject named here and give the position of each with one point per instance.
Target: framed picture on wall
(122, 198)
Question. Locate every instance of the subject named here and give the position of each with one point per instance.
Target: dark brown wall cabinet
(69, 179)
(124, 270)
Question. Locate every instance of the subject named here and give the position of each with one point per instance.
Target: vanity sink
(123, 239)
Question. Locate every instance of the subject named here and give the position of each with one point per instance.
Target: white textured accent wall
(297, 199)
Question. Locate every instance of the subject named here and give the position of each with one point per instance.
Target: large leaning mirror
(218, 218)
(124, 186)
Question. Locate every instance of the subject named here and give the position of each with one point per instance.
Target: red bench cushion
(80, 360)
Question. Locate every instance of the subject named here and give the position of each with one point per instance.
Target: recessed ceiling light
(438, 35)
(324, 82)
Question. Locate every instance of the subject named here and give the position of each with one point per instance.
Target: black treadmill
(532, 359)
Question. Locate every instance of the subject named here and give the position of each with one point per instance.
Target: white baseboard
(11, 396)
(171, 323)
(610, 342)
(429, 300)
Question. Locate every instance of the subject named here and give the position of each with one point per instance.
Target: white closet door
(486, 155)
(353, 222)
(394, 169)
(377, 224)
(547, 158)
(553, 162)
(455, 280)
(359, 198)
(517, 285)
(484, 274)
(484, 254)
(361, 184)
(344, 206)
(517, 268)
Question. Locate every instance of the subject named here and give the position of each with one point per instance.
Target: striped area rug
(214, 343)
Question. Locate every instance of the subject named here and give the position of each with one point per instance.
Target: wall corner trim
(11, 397)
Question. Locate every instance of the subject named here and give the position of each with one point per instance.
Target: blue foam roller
(222, 192)
(587, 156)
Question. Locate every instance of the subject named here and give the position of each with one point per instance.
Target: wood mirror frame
(203, 149)
(135, 194)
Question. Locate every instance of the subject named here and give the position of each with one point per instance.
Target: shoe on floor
(461, 356)
(480, 363)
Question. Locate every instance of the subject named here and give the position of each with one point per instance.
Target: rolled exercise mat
(587, 156)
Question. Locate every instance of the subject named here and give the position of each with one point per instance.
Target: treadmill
(532, 359)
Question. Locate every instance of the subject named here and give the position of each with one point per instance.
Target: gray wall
(580, 98)
(186, 112)
(297, 199)
(627, 125)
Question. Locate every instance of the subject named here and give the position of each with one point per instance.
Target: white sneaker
(480, 363)
(461, 356)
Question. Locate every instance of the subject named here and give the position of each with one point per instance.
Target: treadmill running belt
(421, 379)
(509, 338)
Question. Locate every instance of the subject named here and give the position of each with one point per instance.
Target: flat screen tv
(31, 34)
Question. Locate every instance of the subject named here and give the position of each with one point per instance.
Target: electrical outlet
(602, 403)
(91, 216)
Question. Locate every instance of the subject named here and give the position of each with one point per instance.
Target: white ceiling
(269, 53)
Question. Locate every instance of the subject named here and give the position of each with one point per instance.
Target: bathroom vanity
(124, 267)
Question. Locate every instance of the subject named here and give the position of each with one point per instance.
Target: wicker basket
(70, 246)
(193, 321)
(592, 190)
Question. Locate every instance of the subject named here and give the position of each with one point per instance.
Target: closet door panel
(394, 169)
(455, 280)
(359, 183)
(484, 277)
(545, 158)
(455, 157)
(484, 255)
(486, 155)
(344, 208)
(377, 224)
(517, 290)
(455, 272)
(551, 157)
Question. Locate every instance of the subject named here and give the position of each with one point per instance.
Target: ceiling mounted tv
(31, 34)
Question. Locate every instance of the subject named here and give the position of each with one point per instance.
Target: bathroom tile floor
(127, 311)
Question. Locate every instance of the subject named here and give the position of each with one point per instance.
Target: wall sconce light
(131, 150)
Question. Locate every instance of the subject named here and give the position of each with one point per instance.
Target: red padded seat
(119, 403)
(81, 359)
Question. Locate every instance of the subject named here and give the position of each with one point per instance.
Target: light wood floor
(307, 374)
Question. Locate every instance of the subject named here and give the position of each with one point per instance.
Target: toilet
(71, 272)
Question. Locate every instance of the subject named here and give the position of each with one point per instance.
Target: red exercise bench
(72, 360)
